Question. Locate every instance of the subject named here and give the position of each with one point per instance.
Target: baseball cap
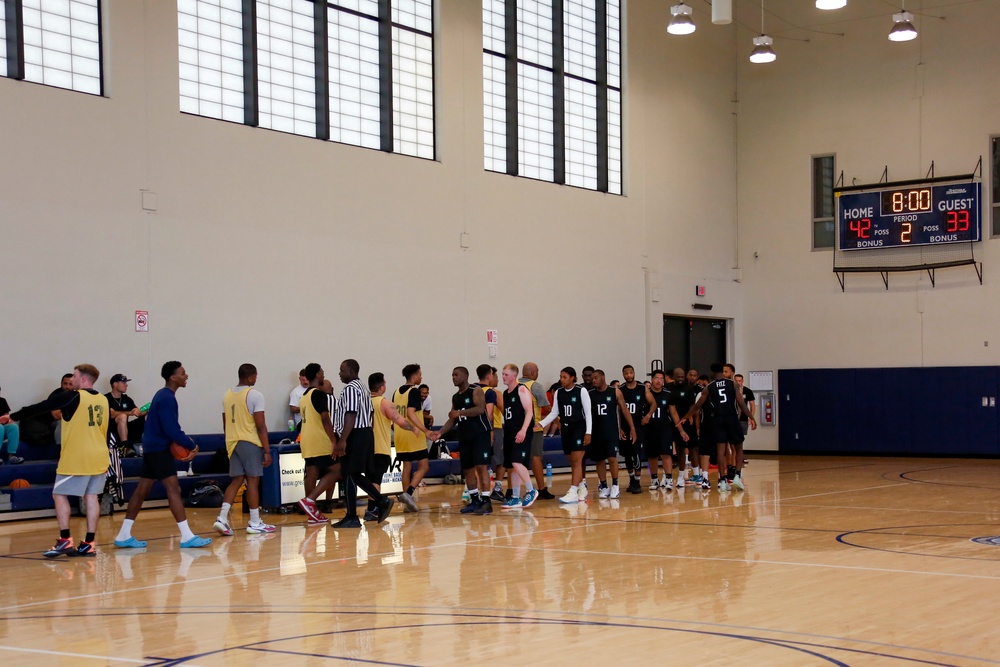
(119, 377)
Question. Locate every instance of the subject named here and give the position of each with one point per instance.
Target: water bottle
(548, 474)
(291, 424)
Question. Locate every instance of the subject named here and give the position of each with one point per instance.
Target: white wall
(873, 103)
(281, 250)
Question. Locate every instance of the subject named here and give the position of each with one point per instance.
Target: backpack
(439, 450)
(206, 495)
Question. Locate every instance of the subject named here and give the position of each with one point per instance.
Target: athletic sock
(409, 490)
(64, 534)
(517, 492)
(255, 516)
(90, 537)
(528, 488)
(614, 482)
(186, 533)
(473, 494)
(224, 512)
(126, 530)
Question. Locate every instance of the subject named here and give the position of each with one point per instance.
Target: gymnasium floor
(821, 561)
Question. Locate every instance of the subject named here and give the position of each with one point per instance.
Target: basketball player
(487, 376)
(518, 425)
(83, 458)
(571, 405)
(385, 416)
(411, 447)
(606, 403)
(162, 428)
(726, 403)
(539, 400)
(355, 446)
(634, 395)
(468, 413)
(729, 373)
(248, 447)
(683, 397)
(659, 421)
(497, 461)
(316, 441)
(686, 396)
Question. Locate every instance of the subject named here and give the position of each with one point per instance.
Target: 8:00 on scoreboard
(918, 214)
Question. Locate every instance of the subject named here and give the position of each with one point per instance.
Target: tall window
(552, 91)
(822, 201)
(995, 184)
(53, 42)
(358, 72)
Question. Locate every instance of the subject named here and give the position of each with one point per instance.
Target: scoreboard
(913, 213)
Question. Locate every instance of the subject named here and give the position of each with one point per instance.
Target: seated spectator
(296, 396)
(123, 409)
(425, 406)
(43, 429)
(9, 433)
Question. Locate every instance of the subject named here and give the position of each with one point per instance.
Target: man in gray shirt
(539, 401)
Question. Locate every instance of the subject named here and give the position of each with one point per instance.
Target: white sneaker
(654, 485)
(602, 491)
(723, 485)
(668, 484)
(571, 497)
(738, 482)
(614, 493)
(259, 528)
(680, 481)
(222, 527)
(581, 492)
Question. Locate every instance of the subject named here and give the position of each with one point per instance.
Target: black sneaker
(634, 486)
(472, 506)
(545, 495)
(371, 515)
(497, 495)
(63, 546)
(348, 522)
(486, 507)
(85, 549)
(384, 509)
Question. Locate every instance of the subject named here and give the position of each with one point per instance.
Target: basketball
(182, 453)
(19, 484)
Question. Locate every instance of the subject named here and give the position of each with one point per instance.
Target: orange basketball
(182, 453)
(19, 484)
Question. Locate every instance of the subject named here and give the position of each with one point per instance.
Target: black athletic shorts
(322, 463)
(380, 466)
(476, 450)
(412, 456)
(360, 450)
(659, 439)
(626, 447)
(692, 433)
(158, 465)
(602, 446)
(726, 430)
(516, 452)
(572, 437)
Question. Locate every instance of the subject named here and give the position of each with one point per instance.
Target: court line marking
(749, 562)
(347, 557)
(892, 509)
(17, 649)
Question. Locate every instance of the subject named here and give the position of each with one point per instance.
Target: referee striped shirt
(357, 399)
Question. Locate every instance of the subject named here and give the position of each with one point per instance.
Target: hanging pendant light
(681, 23)
(830, 4)
(762, 51)
(902, 27)
(722, 12)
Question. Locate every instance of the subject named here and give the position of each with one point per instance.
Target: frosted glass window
(581, 134)
(534, 31)
(534, 122)
(614, 142)
(354, 80)
(286, 66)
(416, 14)
(210, 50)
(62, 44)
(368, 7)
(495, 113)
(579, 39)
(3, 42)
(412, 94)
(493, 25)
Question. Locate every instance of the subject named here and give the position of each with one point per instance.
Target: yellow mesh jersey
(239, 422)
(85, 437)
(407, 441)
(314, 441)
(534, 404)
(382, 428)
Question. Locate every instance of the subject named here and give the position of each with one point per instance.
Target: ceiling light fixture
(681, 23)
(902, 27)
(830, 4)
(762, 51)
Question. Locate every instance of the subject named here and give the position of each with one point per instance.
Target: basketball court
(821, 561)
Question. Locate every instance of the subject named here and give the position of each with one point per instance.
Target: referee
(356, 445)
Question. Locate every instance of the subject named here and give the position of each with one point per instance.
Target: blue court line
(789, 472)
(332, 657)
(903, 476)
(873, 531)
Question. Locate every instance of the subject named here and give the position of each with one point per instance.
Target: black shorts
(572, 437)
(360, 450)
(626, 446)
(602, 446)
(158, 465)
(379, 467)
(659, 440)
(516, 452)
(726, 430)
(412, 456)
(475, 450)
(692, 434)
(323, 464)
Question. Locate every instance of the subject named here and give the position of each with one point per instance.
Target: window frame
(816, 203)
(994, 186)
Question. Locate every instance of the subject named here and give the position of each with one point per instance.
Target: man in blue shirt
(162, 428)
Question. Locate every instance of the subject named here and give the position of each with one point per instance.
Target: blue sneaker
(529, 498)
(130, 543)
(511, 504)
(196, 542)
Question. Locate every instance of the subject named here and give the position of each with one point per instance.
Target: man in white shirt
(296, 396)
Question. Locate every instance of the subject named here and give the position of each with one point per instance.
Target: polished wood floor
(820, 561)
